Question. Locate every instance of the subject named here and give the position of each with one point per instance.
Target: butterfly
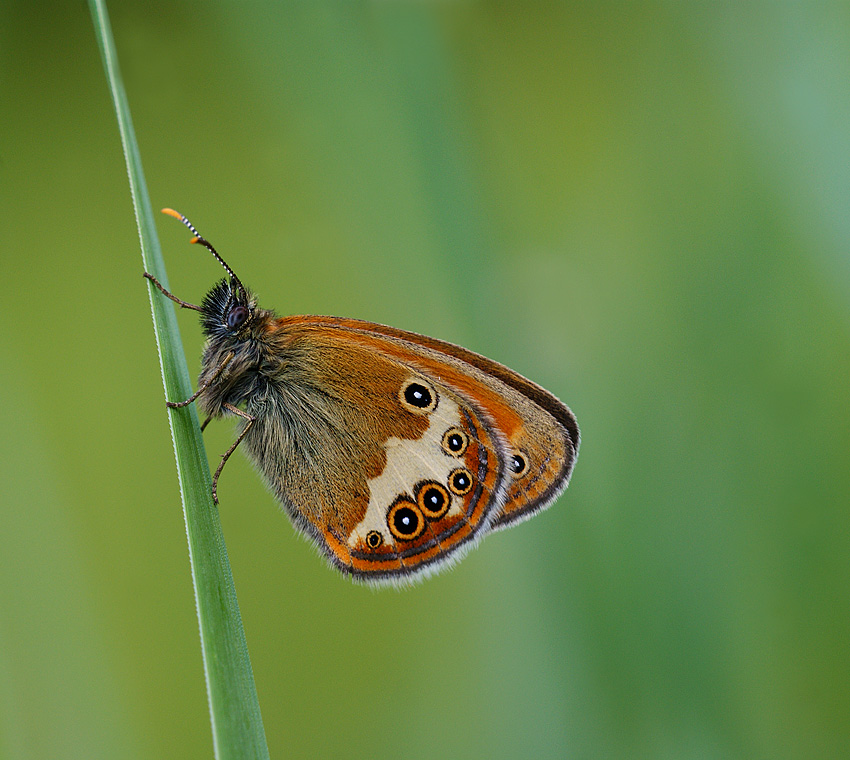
(394, 452)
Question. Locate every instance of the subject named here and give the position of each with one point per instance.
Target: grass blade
(234, 709)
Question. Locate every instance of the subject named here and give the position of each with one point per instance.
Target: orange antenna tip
(172, 212)
(195, 240)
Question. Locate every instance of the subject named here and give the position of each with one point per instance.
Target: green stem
(237, 725)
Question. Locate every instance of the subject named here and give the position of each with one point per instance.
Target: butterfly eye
(433, 499)
(518, 465)
(460, 481)
(405, 520)
(455, 441)
(418, 397)
(236, 317)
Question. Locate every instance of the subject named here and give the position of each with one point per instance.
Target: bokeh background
(643, 207)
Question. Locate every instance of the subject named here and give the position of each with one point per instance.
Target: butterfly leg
(201, 388)
(227, 453)
(184, 304)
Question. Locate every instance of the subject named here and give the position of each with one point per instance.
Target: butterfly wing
(541, 432)
(390, 470)
(395, 452)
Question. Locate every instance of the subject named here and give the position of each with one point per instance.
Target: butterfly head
(228, 311)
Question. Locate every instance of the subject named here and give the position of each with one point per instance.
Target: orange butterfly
(394, 452)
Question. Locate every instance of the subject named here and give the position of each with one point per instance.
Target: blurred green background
(643, 207)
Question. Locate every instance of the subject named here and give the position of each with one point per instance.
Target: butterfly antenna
(206, 243)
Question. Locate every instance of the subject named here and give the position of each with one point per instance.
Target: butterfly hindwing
(407, 472)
